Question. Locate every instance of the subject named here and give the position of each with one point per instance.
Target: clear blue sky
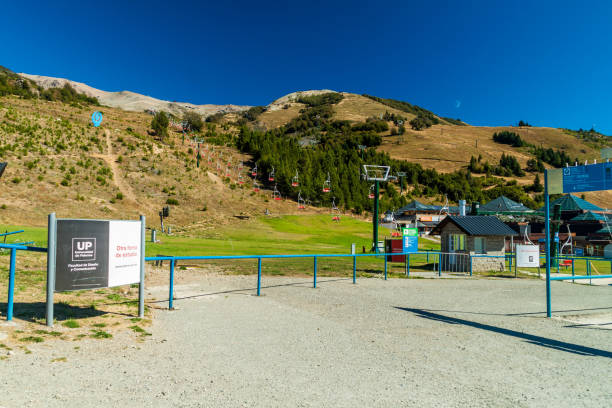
(486, 62)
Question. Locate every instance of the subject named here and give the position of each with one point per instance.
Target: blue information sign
(579, 251)
(410, 239)
(593, 177)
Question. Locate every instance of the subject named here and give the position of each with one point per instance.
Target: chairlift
(254, 171)
(335, 211)
(301, 201)
(255, 186)
(240, 179)
(276, 194)
(271, 175)
(295, 181)
(371, 193)
(240, 165)
(327, 184)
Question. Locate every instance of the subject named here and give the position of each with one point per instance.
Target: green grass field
(308, 234)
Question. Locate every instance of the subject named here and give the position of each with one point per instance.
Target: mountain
(131, 101)
(59, 162)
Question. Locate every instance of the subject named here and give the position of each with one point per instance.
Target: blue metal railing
(259, 259)
(15, 247)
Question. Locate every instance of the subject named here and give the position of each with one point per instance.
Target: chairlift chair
(276, 194)
(301, 202)
(254, 171)
(327, 184)
(295, 181)
(240, 179)
(335, 211)
(371, 193)
(271, 175)
(255, 187)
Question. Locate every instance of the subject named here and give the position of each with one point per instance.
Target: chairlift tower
(376, 174)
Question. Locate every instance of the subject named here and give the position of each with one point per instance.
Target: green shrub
(172, 201)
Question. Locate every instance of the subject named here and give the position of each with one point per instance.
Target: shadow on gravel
(537, 340)
(35, 311)
(240, 291)
(543, 313)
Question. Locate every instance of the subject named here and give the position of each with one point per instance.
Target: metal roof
(483, 225)
(570, 202)
(504, 205)
(589, 216)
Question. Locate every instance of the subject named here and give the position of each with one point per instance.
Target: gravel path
(400, 343)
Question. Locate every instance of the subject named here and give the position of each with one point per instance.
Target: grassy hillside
(59, 162)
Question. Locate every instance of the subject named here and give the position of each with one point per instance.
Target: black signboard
(2, 167)
(97, 254)
(82, 254)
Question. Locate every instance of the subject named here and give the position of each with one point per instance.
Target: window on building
(456, 242)
(480, 245)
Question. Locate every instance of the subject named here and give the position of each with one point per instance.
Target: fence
(435, 261)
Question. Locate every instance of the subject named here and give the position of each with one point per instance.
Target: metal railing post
(171, 295)
(258, 276)
(51, 246)
(573, 267)
(355, 269)
(314, 284)
(440, 264)
(11, 288)
(385, 266)
(407, 264)
(141, 293)
(471, 265)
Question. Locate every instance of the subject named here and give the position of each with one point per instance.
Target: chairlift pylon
(295, 181)
(327, 184)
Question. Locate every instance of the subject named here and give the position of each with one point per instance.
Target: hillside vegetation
(59, 162)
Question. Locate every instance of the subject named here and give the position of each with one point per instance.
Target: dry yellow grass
(149, 171)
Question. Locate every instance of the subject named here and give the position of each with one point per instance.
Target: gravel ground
(413, 343)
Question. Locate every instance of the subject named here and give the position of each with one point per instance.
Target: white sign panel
(527, 256)
(124, 253)
(94, 254)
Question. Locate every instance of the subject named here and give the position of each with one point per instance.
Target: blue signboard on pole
(592, 177)
(410, 239)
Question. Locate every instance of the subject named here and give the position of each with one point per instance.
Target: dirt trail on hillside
(110, 158)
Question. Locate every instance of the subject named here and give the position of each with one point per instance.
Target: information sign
(410, 238)
(592, 177)
(97, 254)
(527, 256)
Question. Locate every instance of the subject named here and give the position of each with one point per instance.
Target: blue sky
(486, 62)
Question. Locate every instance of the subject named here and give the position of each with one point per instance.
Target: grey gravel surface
(399, 343)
